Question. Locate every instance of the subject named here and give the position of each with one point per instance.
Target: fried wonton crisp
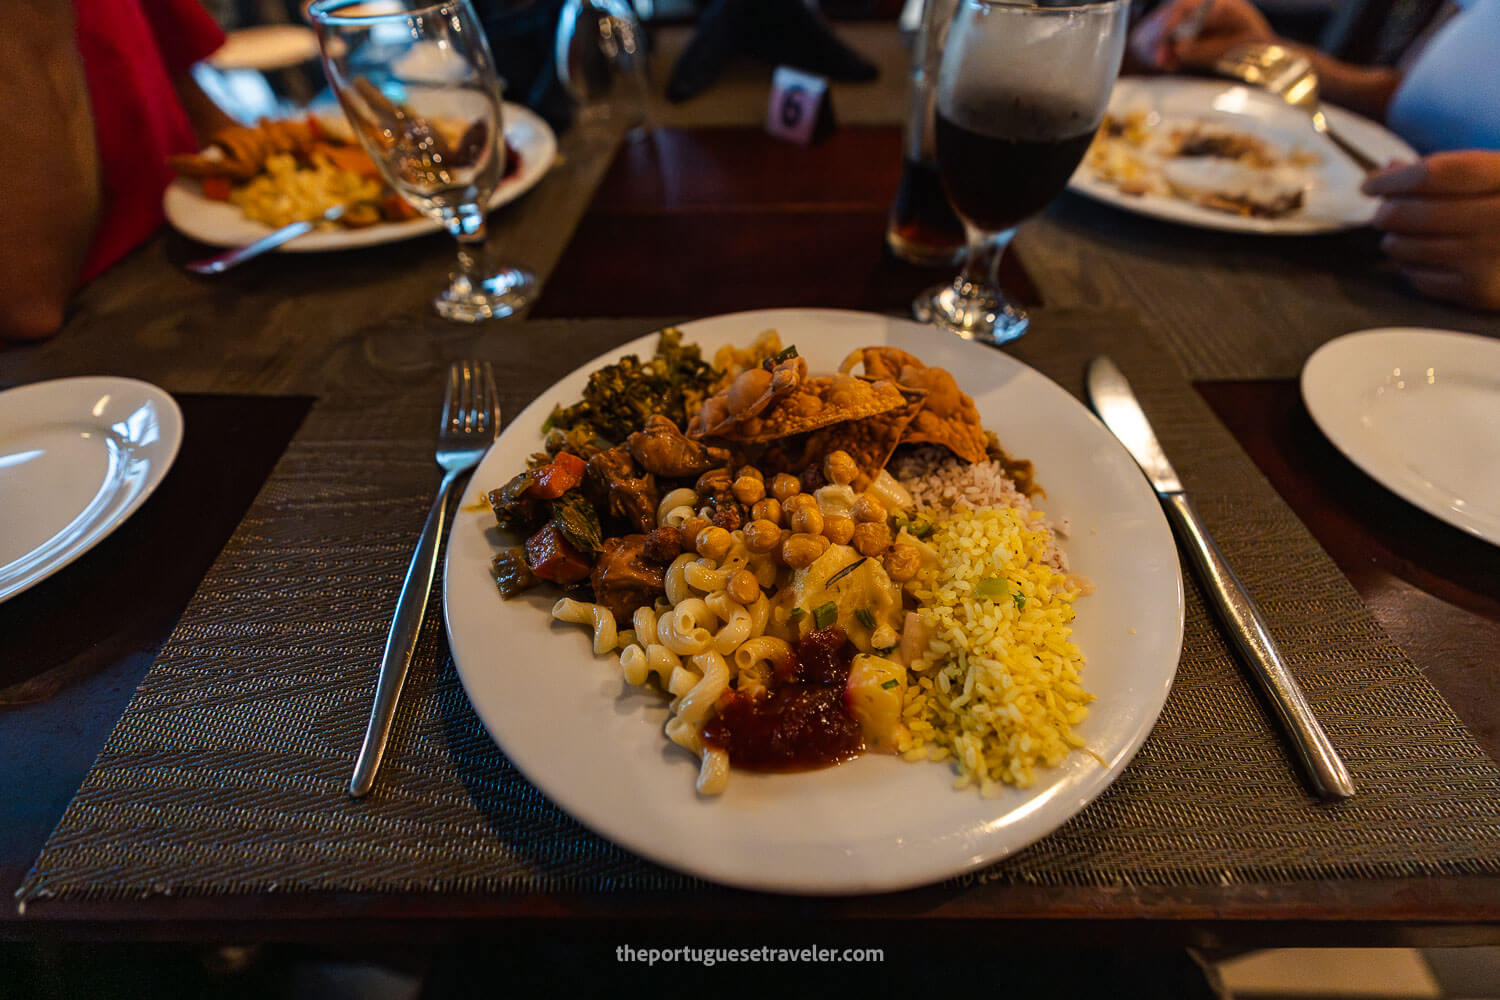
(948, 417)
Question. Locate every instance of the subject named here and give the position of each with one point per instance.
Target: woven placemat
(227, 772)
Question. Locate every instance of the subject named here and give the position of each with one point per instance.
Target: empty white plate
(77, 457)
(1419, 411)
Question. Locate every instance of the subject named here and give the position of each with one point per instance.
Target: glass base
(988, 319)
(496, 297)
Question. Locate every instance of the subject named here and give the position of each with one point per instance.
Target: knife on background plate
(1116, 405)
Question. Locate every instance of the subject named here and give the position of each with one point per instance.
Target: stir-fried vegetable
(619, 398)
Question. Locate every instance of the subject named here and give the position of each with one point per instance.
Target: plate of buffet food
(253, 180)
(1224, 156)
(811, 601)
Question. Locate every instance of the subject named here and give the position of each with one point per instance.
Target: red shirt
(132, 50)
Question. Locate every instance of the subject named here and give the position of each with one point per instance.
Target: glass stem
(980, 274)
(467, 227)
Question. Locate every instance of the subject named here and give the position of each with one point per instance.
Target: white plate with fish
(594, 744)
(1224, 156)
(1419, 411)
(223, 224)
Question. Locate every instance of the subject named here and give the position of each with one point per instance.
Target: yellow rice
(997, 692)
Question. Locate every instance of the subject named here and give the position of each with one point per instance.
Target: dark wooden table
(630, 235)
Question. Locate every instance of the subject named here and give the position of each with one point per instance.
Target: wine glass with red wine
(1021, 90)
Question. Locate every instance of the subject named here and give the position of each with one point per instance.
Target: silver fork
(1290, 76)
(471, 419)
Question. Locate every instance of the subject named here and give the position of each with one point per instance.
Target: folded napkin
(779, 32)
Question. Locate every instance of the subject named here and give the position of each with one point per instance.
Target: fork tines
(470, 402)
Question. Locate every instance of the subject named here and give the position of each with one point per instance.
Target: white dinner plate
(77, 457)
(1332, 197)
(222, 224)
(595, 746)
(1419, 411)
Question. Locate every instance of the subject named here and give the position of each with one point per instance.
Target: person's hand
(1229, 23)
(1441, 218)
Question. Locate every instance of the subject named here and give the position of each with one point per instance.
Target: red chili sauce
(802, 723)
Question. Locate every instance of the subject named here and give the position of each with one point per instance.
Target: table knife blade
(1116, 404)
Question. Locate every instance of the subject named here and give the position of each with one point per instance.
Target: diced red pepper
(551, 557)
(552, 481)
(217, 188)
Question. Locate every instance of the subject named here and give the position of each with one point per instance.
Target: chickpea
(869, 510)
(748, 491)
(799, 501)
(838, 529)
(752, 472)
(784, 486)
(806, 519)
(691, 528)
(713, 482)
(872, 538)
(840, 468)
(743, 587)
(713, 543)
(767, 509)
(802, 550)
(762, 535)
(902, 562)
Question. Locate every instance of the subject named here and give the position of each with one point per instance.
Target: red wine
(1012, 169)
(922, 227)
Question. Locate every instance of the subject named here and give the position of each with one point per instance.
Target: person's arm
(51, 167)
(1364, 89)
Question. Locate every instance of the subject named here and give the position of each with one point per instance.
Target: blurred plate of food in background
(1220, 155)
(293, 170)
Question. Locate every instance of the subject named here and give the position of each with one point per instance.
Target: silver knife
(1116, 405)
(219, 263)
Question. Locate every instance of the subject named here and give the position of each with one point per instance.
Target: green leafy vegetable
(1020, 600)
(890, 684)
(865, 618)
(578, 522)
(621, 397)
(797, 613)
(514, 511)
(825, 614)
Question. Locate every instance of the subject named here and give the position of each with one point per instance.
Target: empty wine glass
(1021, 90)
(601, 61)
(418, 85)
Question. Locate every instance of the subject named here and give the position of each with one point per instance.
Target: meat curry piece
(624, 579)
(663, 450)
(629, 497)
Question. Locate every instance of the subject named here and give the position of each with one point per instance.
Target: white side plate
(77, 457)
(1419, 411)
(221, 224)
(595, 746)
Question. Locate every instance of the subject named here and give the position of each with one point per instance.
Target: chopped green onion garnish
(991, 588)
(865, 618)
(1020, 600)
(921, 527)
(890, 684)
(790, 351)
(796, 613)
(835, 578)
(825, 615)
